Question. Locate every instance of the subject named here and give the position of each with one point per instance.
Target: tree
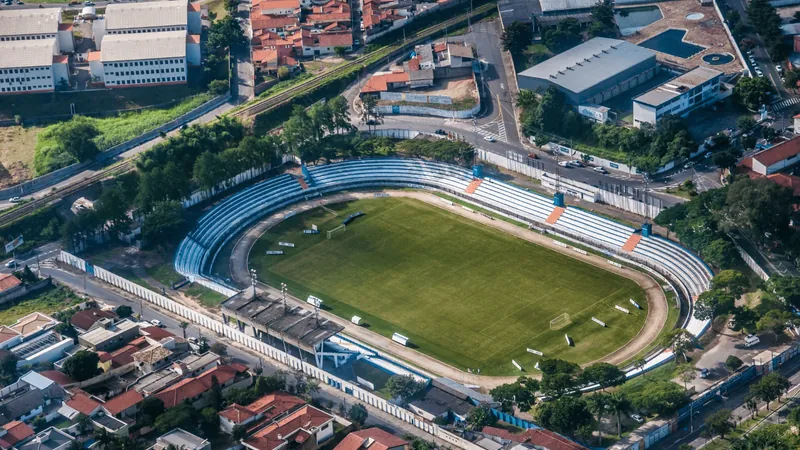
(751, 403)
(731, 281)
(752, 92)
(679, 340)
(38, 423)
(82, 365)
(369, 114)
(358, 414)
(520, 393)
(66, 329)
(794, 416)
(721, 252)
(215, 395)
(76, 137)
(603, 23)
(720, 422)
(774, 321)
(787, 288)
(124, 311)
(283, 73)
(180, 416)
(149, 410)
(231, 5)
(480, 417)
(733, 363)
(770, 387)
(713, 303)
(639, 365)
(269, 384)
(560, 38)
(744, 123)
(224, 34)
(618, 405)
(209, 170)
(661, 397)
(517, 37)
(164, 225)
(340, 51)
(219, 349)
(183, 326)
(218, 87)
(598, 405)
(604, 374)
(239, 432)
(403, 387)
(564, 415)
(209, 421)
(686, 372)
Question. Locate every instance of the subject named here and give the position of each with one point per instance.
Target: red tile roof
(7, 333)
(15, 432)
(156, 333)
(777, 153)
(8, 281)
(195, 7)
(122, 402)
(192, 38)
(94, 56)
(123, 355)
(237, 414)
(278, 4)
(82, 403)
(380, 439)
(192, 387)
(539, 437)
(294, 427)
(788, 181)
(59, 377)
(86, 318)
(65, 27)
(259, 22)
(334, 39)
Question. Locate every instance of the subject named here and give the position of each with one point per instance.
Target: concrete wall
(428, 111)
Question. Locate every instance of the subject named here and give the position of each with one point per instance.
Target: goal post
(561, 321)
(339, 228)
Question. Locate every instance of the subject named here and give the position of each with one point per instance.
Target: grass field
(463, 293)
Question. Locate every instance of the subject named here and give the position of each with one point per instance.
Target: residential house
(277, 7)
(49, 439)
(775, 158)
(194, 389)
(124, 405)
(265, 409)
(303, 429)
(14, 433)
(538, 438)
(110, 335)
(189, 366)
(85, 319)
(9, 284)
(181, 439)
(371, 439)
(437, 403)
(79, 402)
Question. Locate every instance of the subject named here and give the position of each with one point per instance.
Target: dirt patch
(707, 32)
(17, 145)
(456, 88)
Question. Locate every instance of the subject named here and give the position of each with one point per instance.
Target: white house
(678, 96)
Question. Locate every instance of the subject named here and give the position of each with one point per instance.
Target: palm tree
(639, 365)
(618, 405)
(183, 326)
(598, 404)
(751, 403)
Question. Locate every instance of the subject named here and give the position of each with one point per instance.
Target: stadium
(436, 270)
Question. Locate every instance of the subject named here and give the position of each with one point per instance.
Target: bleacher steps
(632, 242)
(473, 186)
(555, 215)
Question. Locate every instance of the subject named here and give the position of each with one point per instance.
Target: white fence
(255, 345)
(751, 263)
(596, 160)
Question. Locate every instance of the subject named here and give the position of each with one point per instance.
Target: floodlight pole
(253, 280)
(283, 291)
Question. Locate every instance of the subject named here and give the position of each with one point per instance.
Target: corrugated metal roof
(677, 86)
(16, 54)
(590, 63)
(16, 22)
(133, 47)
(146, 15)
(565, 5)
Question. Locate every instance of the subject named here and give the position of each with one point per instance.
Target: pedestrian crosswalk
(45, 263)
(785, 103)
(488, 129)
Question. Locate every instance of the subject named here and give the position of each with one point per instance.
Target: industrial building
(592, 72)
(678, 96)
(146, 44)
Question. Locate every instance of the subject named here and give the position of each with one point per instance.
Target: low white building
(678, 96)
(147, 17)
(136, 60)
(34, 25)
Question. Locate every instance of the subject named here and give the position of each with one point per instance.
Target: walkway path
(657, 310)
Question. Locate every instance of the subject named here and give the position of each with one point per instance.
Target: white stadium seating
(196, 254)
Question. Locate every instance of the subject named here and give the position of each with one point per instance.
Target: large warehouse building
(592, 72)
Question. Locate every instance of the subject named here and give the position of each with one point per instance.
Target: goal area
(561, 321)
(339, 228)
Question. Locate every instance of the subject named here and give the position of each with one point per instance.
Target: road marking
(782, 104)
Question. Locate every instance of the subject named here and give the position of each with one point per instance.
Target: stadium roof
(146, 15)
(589, 64)
(135, 47)
(565, 5)
(18, 22)
(677, 86)
(296, 323)
(17, 54)
(517, 11)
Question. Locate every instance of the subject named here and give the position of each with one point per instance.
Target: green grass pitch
(466, 294)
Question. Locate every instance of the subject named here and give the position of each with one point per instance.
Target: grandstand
(197, 252)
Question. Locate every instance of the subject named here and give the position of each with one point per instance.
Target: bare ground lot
(17, 146)
(459, 89)
(707, 32)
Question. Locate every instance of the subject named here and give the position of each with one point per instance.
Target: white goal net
(560, 322)
(339, 228)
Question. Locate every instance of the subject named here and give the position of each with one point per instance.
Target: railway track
(363, 61)
(259, 107)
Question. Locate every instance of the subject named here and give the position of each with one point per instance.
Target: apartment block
(679, 96)
(36, 25)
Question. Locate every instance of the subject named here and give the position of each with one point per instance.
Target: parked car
(688, 165)
(708, 155)
(357, 42)
(11, 263)
(157, 323)
(15, 200)
(751, 340)
(565, 164)
(88, 3)
(599, 169)
(440, 131)
(489, 138)
(371, 122)
(704, 373)
(532, 155)
(576, 163)
(779, 68)
(637, 418)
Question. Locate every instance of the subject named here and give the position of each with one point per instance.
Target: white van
(751, 340)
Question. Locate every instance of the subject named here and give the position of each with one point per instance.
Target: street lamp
(253, 280)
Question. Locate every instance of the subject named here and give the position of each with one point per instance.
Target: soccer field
(464, 293)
